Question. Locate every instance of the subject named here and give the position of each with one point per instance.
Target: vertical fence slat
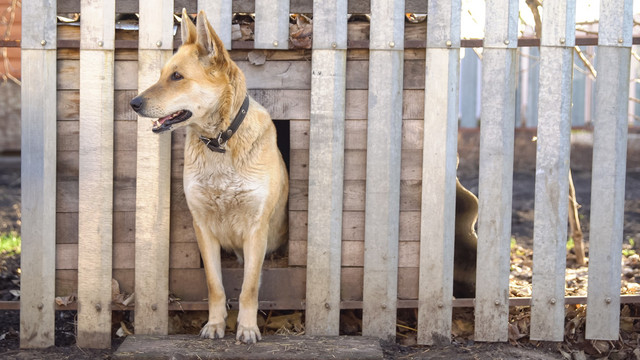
(552, 171)
(153, 178)
(496, 170)
(220, 15)
(95, 181)
(384, 138)
(609, 168)
(38, 174)
(437, 224)
(272, 24)
(326, 167)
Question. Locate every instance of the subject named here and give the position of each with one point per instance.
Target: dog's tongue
(162, 120)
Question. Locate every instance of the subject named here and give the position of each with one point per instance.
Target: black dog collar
(217, 144)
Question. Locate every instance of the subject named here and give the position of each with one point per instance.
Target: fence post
(220, 16)
(437, 227)
(38, 174)
(326, 167)
(496, 170)
(552, 170)
(272, 24)
(95, 180)
(384, 140)
(609, 169)
(153, 176)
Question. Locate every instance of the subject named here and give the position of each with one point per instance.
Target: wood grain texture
(326, 173)
(95, 175)
(153, 178)
(552, 172)
(607, 192)
(219, 15)
(495, 188)
(384, 137)
(38, 174)
(271, 24)
(438, 194)
(38, 191)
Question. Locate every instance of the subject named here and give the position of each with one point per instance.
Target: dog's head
(195, 85)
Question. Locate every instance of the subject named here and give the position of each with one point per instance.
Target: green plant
(570, 243)
(10, 243)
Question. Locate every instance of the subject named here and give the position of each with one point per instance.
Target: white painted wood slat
(95, 188)
(152, 179)
(272, 24)
(437, 223)
(384, 140)
(220, 15)
(496, 170)
(608, 172)
(552, 171)
(326, 168)
(38, 174)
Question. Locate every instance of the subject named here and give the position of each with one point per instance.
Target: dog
(235, 179)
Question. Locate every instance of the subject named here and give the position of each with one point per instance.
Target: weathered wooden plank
(353, 226)
(496, 170)
(153, 190)
(219, 15)
(355, 164)
(272, 24)
(95, 174)
(609, 166)
(326, 167)
(38, 197)
(384, 137)
(286, 347)
(243, 6)
(352, 253)
(439, 171)
(356, 133)
(38, 169)
(184, 255)
(552, 171)
(354, 196)
(126, 74)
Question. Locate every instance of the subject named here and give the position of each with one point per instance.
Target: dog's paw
(248, 334)
(213, 331)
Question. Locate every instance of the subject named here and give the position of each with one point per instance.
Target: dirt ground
(461, 347)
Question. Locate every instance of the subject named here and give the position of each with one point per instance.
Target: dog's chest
(224, 193)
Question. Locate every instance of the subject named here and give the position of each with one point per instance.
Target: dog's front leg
(210, 252)
(254, 248)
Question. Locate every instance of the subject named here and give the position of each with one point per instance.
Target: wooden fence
(373, 123)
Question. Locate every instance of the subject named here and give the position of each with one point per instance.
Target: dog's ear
(187, 29)
(207, 37)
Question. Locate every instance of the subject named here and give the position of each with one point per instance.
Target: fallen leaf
(65, 300)
(257, 57)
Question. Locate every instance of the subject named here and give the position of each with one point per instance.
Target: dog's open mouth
(165, 123)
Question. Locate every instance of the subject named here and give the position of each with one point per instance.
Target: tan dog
(235, 180)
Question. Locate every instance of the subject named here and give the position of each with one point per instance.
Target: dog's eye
(176, 76)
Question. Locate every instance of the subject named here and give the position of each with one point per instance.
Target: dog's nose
(136, 103)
